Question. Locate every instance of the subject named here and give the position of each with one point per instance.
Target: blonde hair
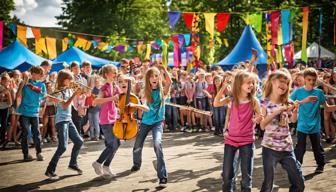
(148, 89)
(267, 88)
(107, 69)
(238, 81)
(63, 75)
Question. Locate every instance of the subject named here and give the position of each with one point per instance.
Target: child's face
(111, 74)
(67, 82)
(208, 79)
(36, 76)
(75, 70)
(217, 82)
(5, 82)
(300, 81)
(310, 82)
(280, 86)
(154, 80)
(248, 85)
(123, 85)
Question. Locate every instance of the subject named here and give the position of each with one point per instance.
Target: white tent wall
(312, 52)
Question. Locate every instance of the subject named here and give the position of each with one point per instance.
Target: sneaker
(52, 175)
(135, 168)
(28, 158)
(44, 140)
(319, 169)
(200, 130)
(163, 182)
(75, 168)
(39, 157)
(107, 173)
(183, 129)
(97, 168)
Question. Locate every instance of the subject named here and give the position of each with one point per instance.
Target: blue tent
(75, 54)
(243, 51)
(17, 56)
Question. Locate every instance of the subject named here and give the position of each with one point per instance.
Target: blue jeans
(94, 124)
(289, 163)
(111, 145)
(66, 130)
(157, 131)
(171, 115)
(219, 114)
(246, 154)
(30, 123)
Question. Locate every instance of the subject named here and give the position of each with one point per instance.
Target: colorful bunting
(255, 20)
(164, 53)
(222, 21)
(285, 23)
(173, 17)
(40, 46)
(195, 23)
(187, 39)
(80, 43)
(51, 46)
(87, 46)
(268, 39)
(177, 51)
(37, 32)
(139, 46)
(275, 16)
(102, 46)
(1, 33)
(155, 45)
(12, 26)
(148, 50)
(188, 19)
(304, 34)
(210, 23)
(65, 42)
(21, 34)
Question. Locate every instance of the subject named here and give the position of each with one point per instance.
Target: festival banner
(304, 34)
(173, 18)
(222, 21)
(51, 47)
(21, 34)
(1, 33)
(40, 46)
(286, 25)
(188, 19)
(195, 23)
(210, 23)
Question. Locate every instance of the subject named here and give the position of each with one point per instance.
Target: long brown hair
(267, 88)
(63, 75)
(148, 89)
(238, 81)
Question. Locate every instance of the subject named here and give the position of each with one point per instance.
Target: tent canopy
(243, 49)
(312, 52)
(75, 54)
(17, 56)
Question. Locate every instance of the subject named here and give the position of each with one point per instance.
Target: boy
(31, 92)
(309, 121)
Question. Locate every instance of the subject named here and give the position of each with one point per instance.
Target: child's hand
(131, 105)
(116, 98)
(311, 99)
(258, 118)
(254, 52)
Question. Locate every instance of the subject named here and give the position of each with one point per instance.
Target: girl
(201, 87)
(277, 144)
(64, 125)
(240, 134)
(5, 104)
(155, 94)
(49, 115)
(93, 111)
(219, 112)
(189, 89)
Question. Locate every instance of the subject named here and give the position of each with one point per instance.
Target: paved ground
(193, 161)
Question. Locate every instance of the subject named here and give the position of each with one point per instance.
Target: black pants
(4, 123)
(315, 140)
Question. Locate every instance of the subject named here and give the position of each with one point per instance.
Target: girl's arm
(258, 115)
(207, 93)
(220, 99)
(329, 108)
(295, 112)
(65, 104)
(268, 118)
(167, 78)
(139, 106)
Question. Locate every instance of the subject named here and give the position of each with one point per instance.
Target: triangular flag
(51, 46)
(65, 42)
(187, 39)
(255, 20)
(102, 46)
(173, 17)
(37, 32)
(12, 26)
(222, 21)
(195, 23)
(210, 23)
(21, 34)
(188, 19)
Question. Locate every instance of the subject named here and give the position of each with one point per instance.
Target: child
(152, 120)
(93, 111)
(201, 87)
(309, 121)
(277, 144)
(31, 92)
(218, 112)
(49, 115)
(5, 104)
(65, 126)
(240, 134)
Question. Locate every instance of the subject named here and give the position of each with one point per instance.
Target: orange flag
(88, 45)
(40, 46)
(51, 46)
(65, 42)
(21, 34)
(36, 32)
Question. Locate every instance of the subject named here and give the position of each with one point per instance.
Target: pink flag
(1, 33)
(275, 16)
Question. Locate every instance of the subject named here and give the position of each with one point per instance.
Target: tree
(5, 8)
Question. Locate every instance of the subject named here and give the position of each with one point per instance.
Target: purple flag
(173, 18)
(156, 46)
(119, 48)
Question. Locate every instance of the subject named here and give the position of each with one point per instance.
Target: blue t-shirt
(63, 114)
(309, 120)
(30, 103)
(156, 111)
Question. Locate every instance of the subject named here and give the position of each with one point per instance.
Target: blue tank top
(156, 111)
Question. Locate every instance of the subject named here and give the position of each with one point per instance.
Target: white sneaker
(107, 173)
(97, 168)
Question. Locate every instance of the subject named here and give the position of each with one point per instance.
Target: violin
(126, 126)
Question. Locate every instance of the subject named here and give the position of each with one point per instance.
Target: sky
(40, 13)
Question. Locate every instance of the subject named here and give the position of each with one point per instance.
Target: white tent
(312, 52)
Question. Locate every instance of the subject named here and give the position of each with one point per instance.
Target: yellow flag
(88, 45)
(139, 46)
(148, 50)
(80, 43)
(51, 46)
(210, 23)
(226, 42)
(65, 43)
(21, 34)
(40, 46)
(102, 46)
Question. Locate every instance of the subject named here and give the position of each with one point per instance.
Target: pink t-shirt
(241, 127)
(108, 110)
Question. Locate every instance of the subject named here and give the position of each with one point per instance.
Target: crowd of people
(78, 102)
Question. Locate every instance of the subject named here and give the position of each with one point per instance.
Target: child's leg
(315, 140)
(157, 132)
(293, 168)
(92, 128)
(77, 141)
(24, 121)
(96, 124)
(326, 123)
(246, 154)
(227, 172)
(45, 126)
(111, 143)
(34, 121)
(270, 159)
(300, 147)
(3, 121)
(138, 146)
(53, 127)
